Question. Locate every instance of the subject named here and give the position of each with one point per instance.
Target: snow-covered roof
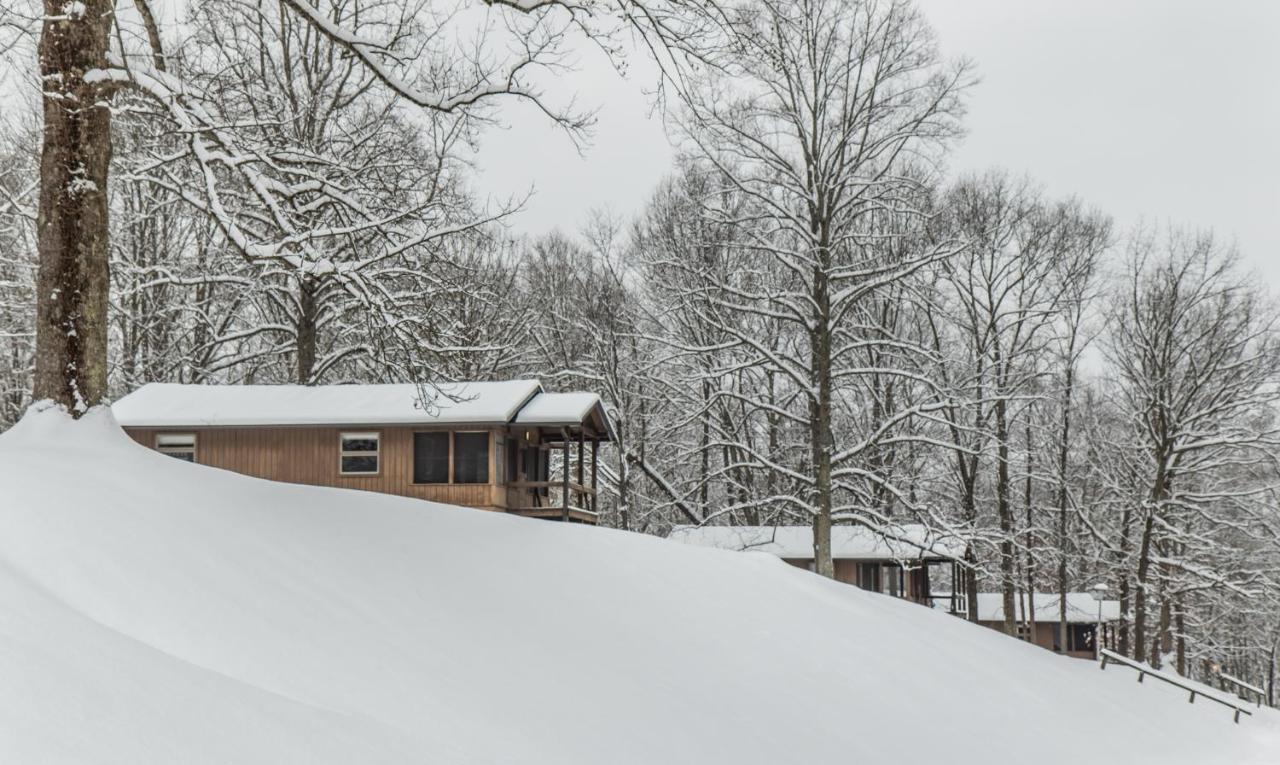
(558, 409)
(901, 542)
(1081, 607)
(563, 409)
(174, 405)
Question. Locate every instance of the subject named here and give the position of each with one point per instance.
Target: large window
(431, 457)
(180, 445)
(471, 457)
(358, 453)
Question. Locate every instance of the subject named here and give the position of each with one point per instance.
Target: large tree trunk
(821, 438)
(1005, 511)
(1027, 503)
(1140, 596)
(72, 286)
(1064, 451)
(306, 331)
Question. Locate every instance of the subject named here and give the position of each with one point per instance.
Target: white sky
(1167, 110)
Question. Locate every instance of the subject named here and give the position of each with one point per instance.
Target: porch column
(564, 499)
(595, 457)
(582, 498)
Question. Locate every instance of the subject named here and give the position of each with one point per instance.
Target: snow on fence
(1144, 670)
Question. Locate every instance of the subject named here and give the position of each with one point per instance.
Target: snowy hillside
(153, 611)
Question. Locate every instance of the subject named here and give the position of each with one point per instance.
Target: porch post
(595, 457)
(582, 498)
(564, 499)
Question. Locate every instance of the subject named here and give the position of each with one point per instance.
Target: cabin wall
(309, 455)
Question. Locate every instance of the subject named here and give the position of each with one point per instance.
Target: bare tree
(813, 112)
(1196, 362)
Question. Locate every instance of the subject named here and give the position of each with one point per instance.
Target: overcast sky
(1167, 110)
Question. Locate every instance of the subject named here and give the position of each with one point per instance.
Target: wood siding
(309, 455)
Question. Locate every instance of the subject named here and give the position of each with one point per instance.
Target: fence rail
(1144, 670)
(1241, 685)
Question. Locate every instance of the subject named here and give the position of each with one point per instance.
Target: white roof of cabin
(175, 405)
(1081, 607)
(901, 542)
(558, 409)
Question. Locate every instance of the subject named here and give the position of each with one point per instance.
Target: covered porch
(553, 458)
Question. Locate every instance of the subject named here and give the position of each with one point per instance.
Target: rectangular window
(471, 458)
(431, 457)
(358, 453)
(180, 445)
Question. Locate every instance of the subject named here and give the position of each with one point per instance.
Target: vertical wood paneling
(309, 455)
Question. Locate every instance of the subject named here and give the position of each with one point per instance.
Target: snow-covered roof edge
(564, 409)
(909, 541)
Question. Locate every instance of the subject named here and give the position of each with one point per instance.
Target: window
(180, 445)
(358, 453)
(471, 457)
(431, 457)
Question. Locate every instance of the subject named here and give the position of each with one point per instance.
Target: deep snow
(153, 611)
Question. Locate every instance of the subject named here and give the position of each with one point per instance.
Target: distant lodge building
(896, 561)
(490, 445)
(1082, 620)
(903, 561)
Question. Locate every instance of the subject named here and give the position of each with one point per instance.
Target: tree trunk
(1064, 451)
(821, 438)
(306, 331)
(1140, 597)
(73, 281)
(1006, 517)
(1027, 497)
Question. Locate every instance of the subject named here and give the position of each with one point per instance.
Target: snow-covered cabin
(1084, 614)
(490, 445)
(895, 560)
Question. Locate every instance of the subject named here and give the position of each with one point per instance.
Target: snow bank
(153, 611)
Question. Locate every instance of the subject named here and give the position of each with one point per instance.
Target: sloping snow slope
(153, 611)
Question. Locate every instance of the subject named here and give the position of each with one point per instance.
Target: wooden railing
(1241, 685)
(1144, 670)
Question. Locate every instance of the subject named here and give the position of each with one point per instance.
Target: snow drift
(153, 611)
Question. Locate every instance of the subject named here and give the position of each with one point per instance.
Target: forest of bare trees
(809, 322)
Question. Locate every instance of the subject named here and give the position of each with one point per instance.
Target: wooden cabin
(503, 446)
(1082, 620)
(899, 560)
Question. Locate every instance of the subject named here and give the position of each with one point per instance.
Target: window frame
(448, 459)
(453, 457)
(344, 435)
(171, 451)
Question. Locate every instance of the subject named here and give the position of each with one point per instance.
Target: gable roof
(175, 405)
(910, 541)
(1081, 607)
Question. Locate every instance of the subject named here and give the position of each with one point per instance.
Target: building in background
(903, 560)
(504, 446)
(1082, 620)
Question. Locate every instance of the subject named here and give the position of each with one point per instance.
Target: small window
(431, 457)
(359, 453)
(471, 458)
(179, 445)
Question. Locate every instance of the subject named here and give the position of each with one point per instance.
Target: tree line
(809, 322)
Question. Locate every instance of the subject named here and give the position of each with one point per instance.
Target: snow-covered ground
(153, 611)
